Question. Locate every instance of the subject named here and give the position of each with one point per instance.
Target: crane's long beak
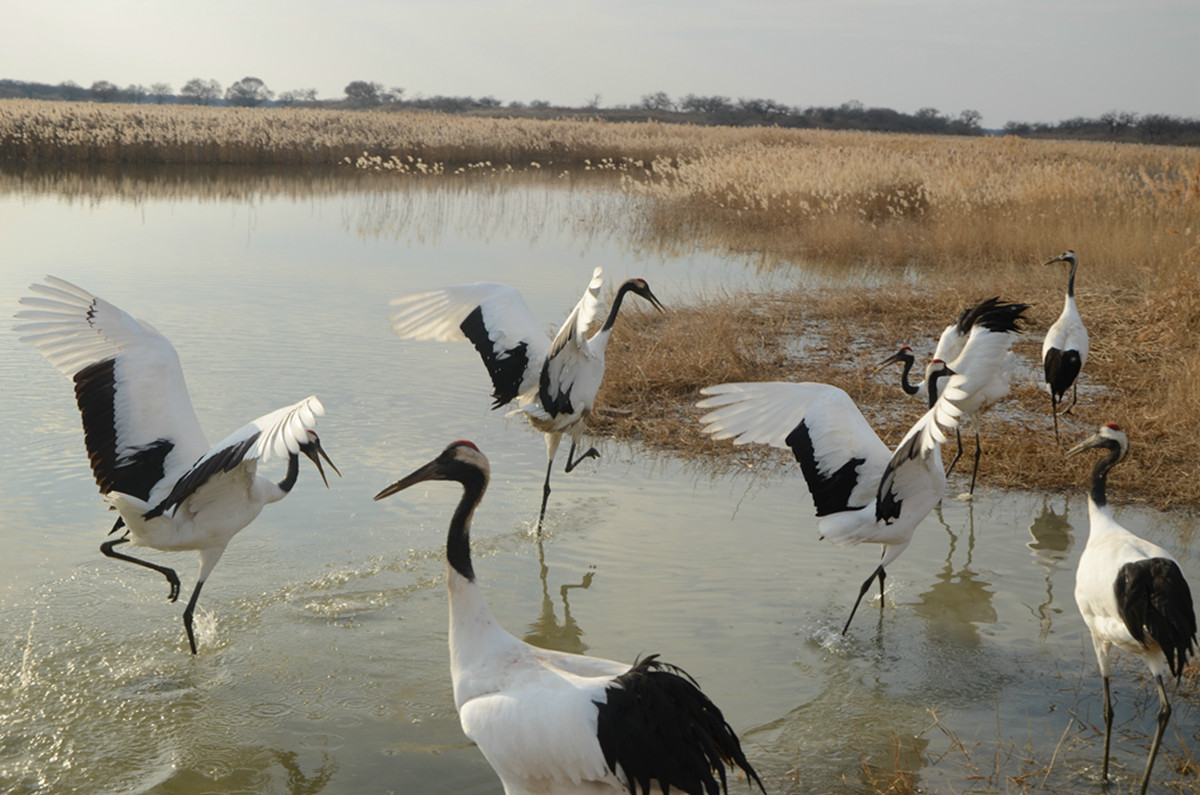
(898, 356)
(430, 471)
(315, 453)
(1092, 441)
(653, 299)
(1056, 259)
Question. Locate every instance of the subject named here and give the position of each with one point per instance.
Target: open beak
(430, 471)
(649, 296)
(315, 453)
(898, 356)
(1090, 442)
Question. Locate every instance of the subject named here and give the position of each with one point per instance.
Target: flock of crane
(552, 722)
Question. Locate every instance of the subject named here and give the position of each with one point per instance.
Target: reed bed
(81, 133)
(934, 223)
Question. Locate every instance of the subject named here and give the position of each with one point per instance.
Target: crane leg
(172, 577)
(1108, 718)
(187, 615)
(958, 455)
(573, 462)
(1074, 397)
(975, 471)
(867, 584)
(545, 495)
(1054, 413)
(1164, 715)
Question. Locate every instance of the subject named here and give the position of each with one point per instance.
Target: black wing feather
(656, 725)
(220, 461)
(1155, 603)
(136, 471)
(505, 367)
(830, 493)
(1062, 368)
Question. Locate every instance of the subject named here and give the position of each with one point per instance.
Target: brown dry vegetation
(936, 222)
(912, 228)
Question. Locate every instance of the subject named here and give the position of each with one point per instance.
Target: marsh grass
(1142, 373)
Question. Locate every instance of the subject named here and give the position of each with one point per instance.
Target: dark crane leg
(1054, 412)
(958, 455)
(1108, 719)
(975, 471)
(172, 577)
(1164, 715)
(545, 495)
(877, 573)
(572, 462)
(187, 615)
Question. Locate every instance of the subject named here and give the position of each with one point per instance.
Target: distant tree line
(692, 108)
(1151, 128)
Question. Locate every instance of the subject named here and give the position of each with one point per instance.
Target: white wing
(275, 435)
(570, 378)
(493, 317)
(539, 731)
(842, 457)
(137, 416)
(979, 376)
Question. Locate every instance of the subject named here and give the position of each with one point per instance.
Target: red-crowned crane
(551, 722)
(995, 317)
(148, 453)
(1131, 593)
(553, 382)
(862, 491)
(1065, 349)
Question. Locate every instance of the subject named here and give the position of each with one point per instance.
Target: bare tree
(248, 92)
(363, 93)
(135, 93)
(200, 92)
(70, 90)
(160, 92)
(657, 101)
(298, 96)
(104, 91)
(714, 104)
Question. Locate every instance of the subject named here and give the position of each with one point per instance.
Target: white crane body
(552, 722)
(1132, 596)
(148, 452)
(552, 382)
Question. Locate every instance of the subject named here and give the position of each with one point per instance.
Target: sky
(1010, 60)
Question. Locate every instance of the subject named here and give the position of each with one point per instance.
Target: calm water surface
(323, 663)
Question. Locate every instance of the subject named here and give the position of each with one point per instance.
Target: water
(322, 633)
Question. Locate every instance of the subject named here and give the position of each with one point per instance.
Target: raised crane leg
(172, 577)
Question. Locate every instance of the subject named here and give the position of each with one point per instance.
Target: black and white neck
(637, 286)
(1111, 438)
(463, 463)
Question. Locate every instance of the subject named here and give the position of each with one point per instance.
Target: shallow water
(323, 664)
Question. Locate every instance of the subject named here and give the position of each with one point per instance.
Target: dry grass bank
(1142, 373)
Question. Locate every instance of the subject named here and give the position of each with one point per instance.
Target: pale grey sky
(1020, 60)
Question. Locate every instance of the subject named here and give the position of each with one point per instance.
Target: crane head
(1067, 256)
(640, 287)
(1110, 436)
(461, 462)
(312, 448)
(905, 355)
